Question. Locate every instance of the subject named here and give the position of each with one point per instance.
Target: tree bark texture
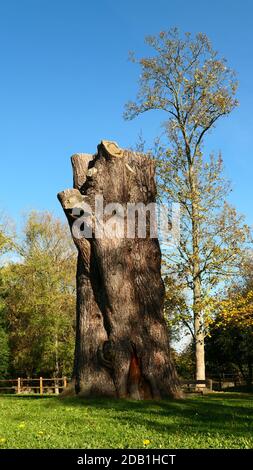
(122, 343)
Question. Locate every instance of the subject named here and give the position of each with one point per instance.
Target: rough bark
(122, 344)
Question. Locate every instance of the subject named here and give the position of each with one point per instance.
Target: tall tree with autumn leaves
(187, 81)
(230, 344)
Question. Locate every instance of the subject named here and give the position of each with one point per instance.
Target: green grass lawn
(211, 421)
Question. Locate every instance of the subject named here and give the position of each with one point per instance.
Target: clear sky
(65, 77)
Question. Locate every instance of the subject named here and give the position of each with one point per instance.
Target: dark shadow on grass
(223, 413)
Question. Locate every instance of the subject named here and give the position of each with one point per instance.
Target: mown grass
(211, 421)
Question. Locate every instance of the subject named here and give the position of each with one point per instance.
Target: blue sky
(65, 77)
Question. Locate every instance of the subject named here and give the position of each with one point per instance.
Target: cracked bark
(122, 344)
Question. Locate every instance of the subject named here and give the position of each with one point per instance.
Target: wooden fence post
(64, 382)
(41, 386)
(210, 384)
(56, 386)
(19, 385)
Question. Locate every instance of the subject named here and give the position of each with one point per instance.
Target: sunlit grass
(212, 421)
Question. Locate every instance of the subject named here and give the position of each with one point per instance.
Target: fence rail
(39, 385)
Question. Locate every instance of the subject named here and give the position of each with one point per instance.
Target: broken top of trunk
(122, 344)
(112, 148)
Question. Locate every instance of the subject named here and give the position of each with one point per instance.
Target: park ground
(218, 420)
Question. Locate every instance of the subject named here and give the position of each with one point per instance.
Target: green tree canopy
(39, 294)
(6, 243)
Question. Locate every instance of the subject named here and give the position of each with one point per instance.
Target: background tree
(187, 80)
(4, 340)
(231, 342)
(235, 306)
(176, 308)
(5, 245)
(185, 362)
(230, 348)
(40, 299)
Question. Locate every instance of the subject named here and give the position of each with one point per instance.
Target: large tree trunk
(122, 343)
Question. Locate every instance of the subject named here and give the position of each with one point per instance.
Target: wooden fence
(216, 383)
(39, 385)
(190, 385)
(44, 385)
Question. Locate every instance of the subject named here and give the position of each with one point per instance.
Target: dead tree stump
(122, 344)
